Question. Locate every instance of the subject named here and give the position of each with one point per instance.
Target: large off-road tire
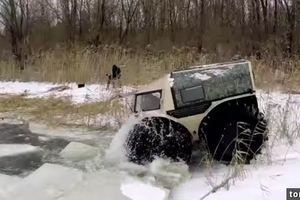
(236, 135)
(158, 137)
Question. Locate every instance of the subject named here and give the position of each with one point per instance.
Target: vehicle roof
(162, 82)
(213, 65)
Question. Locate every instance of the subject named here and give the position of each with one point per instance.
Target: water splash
(162, 172)
(169, 174)
(116, 152)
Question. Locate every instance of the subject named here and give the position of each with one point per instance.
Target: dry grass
(284, 76)
(138, 68)
(59, 112)
(61, 66)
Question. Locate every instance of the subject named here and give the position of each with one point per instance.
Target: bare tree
(129, 9)
(291, 16)
(275, 17)
(15, 18)
(244, 26)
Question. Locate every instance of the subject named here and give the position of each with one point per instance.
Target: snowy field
(88, 94)
(266, 178)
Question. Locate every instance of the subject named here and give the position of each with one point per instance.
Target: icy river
(40, 162)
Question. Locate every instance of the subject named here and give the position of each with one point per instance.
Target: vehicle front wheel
(158, 137)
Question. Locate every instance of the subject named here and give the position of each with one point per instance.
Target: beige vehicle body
(187, 96)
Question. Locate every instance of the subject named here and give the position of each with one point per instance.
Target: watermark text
(292, 193)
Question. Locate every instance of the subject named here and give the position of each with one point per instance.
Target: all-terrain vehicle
(214, 103)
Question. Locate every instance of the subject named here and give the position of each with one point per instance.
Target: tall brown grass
(138, 67)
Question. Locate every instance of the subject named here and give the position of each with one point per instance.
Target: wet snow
(200, 76)
(129, 189)
(171, 80)
(204, 75)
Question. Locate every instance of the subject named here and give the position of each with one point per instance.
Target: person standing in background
(114, 77)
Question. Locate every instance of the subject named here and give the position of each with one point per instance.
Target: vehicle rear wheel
(158, 137)
(238, 136)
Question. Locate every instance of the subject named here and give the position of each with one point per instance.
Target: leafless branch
(58, 16)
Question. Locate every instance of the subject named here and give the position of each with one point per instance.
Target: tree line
(244, 27)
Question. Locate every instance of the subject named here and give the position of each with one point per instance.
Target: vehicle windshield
(147, 101)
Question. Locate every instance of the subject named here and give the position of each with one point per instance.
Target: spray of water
(161, 171)
(116, 153)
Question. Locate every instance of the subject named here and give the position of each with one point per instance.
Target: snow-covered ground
(266, 178)
(88, 94)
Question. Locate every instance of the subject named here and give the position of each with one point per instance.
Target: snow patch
(265, 182)
(200, 76)
(17, 88)
(217, 72)
(138, 190)
(171, 80)
(89, 93)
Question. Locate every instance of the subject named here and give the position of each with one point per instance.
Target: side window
(192, 94)
(147, 101)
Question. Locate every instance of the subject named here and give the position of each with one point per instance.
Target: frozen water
(47, 183)
(7, 150)
(6, 180)
(76, 151)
